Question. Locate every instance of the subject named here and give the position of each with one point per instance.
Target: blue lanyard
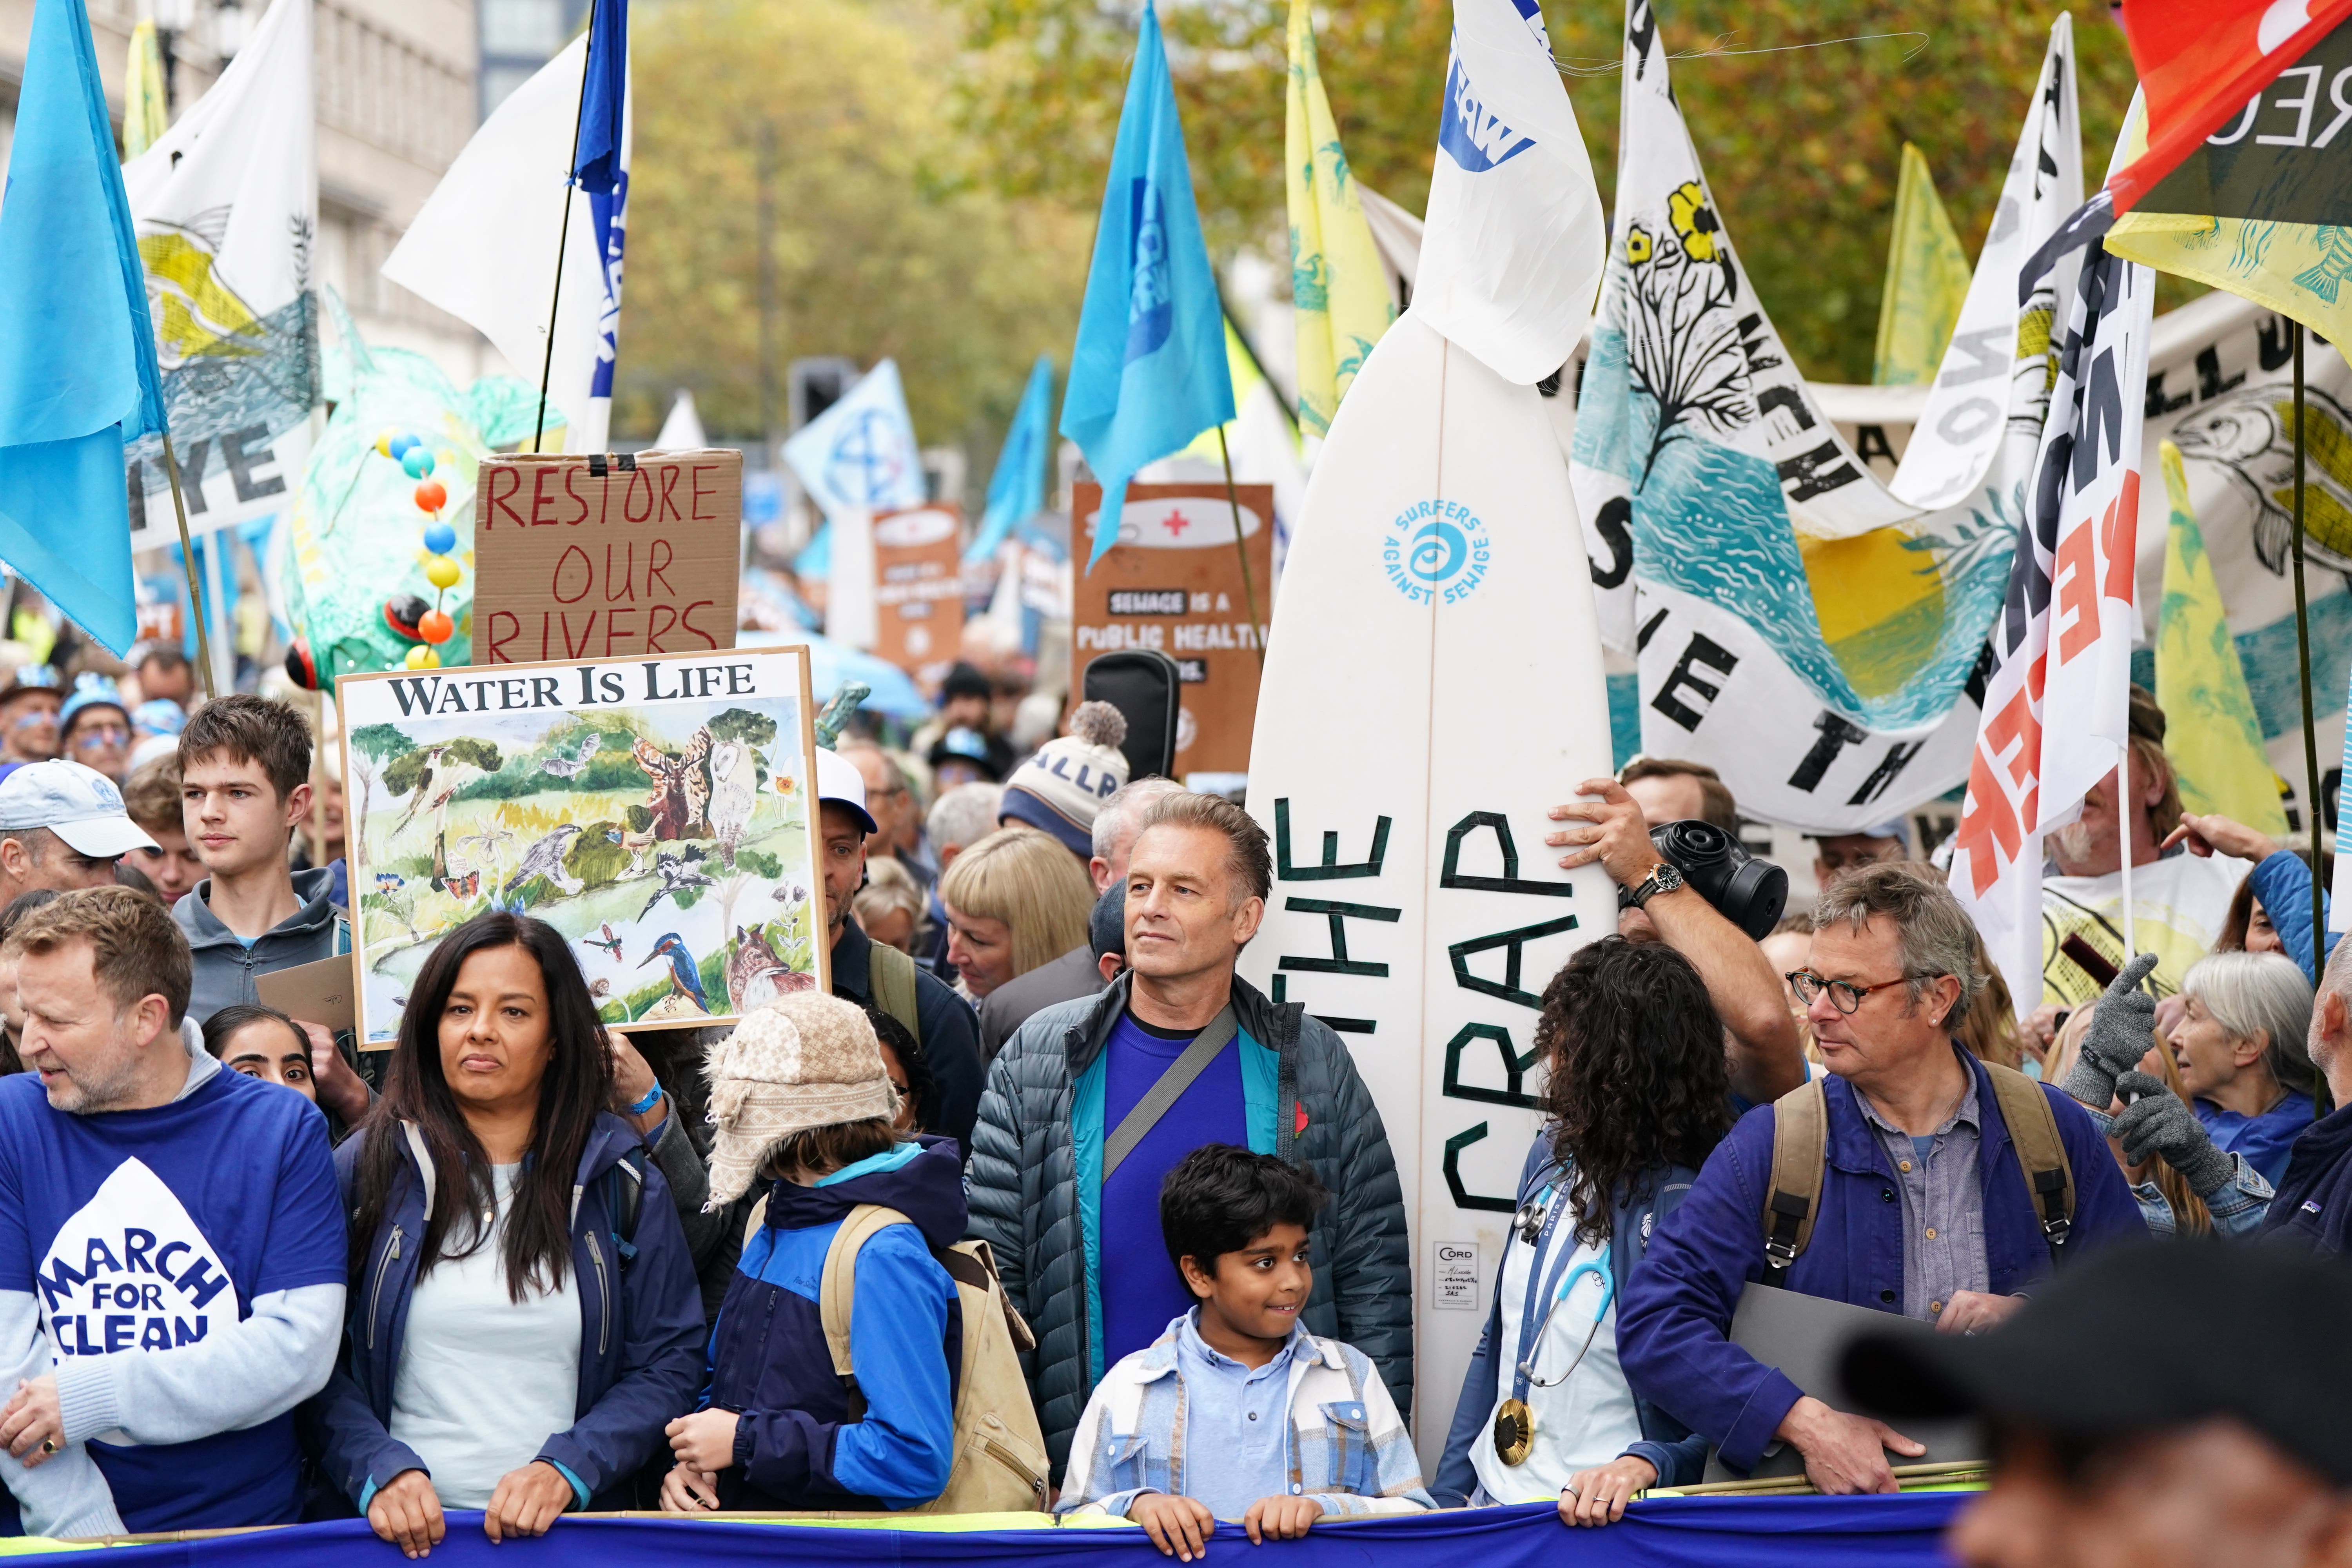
(1540, 1287)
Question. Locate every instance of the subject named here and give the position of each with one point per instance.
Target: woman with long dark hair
(523, 1319)
(1639, 1096)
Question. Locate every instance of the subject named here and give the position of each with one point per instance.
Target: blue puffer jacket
(799, 1446)
(640, 1329)
(1679, 1455)
(1035, 1187)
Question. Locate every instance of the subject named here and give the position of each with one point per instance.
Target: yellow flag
(1338, 291)
(1926, 281)
(2211, 734)
(144, 116)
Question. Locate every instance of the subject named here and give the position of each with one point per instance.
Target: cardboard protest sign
(595, 556)
(918, 584)
(1173, 582)
(656, 812)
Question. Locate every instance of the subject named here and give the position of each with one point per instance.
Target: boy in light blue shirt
(1237, 1413)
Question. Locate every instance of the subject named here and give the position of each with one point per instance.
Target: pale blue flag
(78, 375)
(1148, 371)
(1016, 492)
(860, 454)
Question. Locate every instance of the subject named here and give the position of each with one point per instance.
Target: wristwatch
(1665, 877)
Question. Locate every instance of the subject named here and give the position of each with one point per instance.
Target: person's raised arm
(1767, 1059)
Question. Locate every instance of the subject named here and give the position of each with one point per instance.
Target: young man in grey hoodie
(245, 766)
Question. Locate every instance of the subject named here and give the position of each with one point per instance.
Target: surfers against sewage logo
(1437, 548)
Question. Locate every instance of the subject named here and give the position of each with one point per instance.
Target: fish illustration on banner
(226, 203)
(1741, 550)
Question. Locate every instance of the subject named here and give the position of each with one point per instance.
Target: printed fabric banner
(226, 206)
(1812, 631)
(1903, 1532)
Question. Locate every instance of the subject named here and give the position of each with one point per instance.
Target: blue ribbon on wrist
(652, 1098)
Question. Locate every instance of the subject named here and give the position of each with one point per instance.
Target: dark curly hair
(1638, 1078)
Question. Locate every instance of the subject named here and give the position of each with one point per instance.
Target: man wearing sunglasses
(1923, 1208)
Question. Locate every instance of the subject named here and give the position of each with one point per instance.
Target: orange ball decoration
(436, 626)
(431, 496)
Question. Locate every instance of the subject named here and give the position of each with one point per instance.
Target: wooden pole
(2310, 731)
(188, 563)
(547, 363)
(1249, 589)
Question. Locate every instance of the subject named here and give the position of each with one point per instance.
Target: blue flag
(78, 375)
(1016, 492)
(1148, 371)
(601, 161)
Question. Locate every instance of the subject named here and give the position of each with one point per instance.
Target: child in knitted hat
(802, 1107)
(1063, 786)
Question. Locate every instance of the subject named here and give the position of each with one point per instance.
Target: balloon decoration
(410, 618)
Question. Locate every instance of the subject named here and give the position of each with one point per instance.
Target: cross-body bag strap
(1171, 1086)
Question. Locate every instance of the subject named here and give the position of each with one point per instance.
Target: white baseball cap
(78, 805)
(837, 779)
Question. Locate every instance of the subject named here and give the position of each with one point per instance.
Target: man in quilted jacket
(1093, 1103)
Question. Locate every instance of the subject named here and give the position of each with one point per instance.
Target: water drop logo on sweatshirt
(131, 1271)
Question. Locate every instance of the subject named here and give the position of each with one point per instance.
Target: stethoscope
(1535, 1227)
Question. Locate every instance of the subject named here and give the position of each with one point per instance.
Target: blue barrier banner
(1668, 1532)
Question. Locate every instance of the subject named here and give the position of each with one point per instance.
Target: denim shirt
(1943, 1205)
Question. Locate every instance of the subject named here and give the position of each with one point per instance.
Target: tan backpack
(999, 1451)
(1800, 1145)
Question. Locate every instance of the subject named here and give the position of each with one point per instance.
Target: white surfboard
(1433, 687)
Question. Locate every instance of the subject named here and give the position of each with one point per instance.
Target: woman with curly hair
(1639, 1095)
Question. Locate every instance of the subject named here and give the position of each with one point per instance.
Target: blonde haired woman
(1015, 900)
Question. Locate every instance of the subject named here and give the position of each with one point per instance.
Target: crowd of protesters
(867, 1250)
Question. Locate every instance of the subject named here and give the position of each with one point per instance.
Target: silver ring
(1570, 1491)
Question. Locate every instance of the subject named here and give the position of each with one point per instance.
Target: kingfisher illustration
(685, 976)
(608, 942)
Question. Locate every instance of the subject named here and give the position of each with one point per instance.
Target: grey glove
(2157, 1123)
(2121, 1032)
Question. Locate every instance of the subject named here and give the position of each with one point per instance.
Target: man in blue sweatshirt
(2313, 1205)
(172, 1252)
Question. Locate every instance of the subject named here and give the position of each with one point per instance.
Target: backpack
(1000, 1463)
(891, 973)
(1800, 1146)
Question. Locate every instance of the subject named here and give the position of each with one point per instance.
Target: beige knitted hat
(806, 1060)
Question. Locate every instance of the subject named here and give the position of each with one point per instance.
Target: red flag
(2200, 61)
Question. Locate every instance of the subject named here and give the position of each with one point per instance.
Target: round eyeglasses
(1844, 994)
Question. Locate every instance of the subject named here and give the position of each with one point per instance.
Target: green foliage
(482, 754)
(886, 237)
(595, 858)
(638, 818)
(383, 742)
(1802, 149)
(759, 863)
(744, 724)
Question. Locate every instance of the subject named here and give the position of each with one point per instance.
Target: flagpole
(188, 565)
(2302, 654)
(1249, 589)
(2130, 818)
(570, 171)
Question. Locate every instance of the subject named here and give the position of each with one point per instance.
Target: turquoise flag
(1148, 371)
(1016, 492)
(78, 375)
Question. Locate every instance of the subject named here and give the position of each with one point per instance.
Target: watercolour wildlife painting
(654, 811)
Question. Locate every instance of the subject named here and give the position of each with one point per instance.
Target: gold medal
(1515, 1432)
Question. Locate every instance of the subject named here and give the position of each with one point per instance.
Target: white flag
(859, 455)
(1512, 254)
(483, 248)
(2056, 705)
(226, 203)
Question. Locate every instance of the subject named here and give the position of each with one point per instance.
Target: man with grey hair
(1922, 1206)
(2313, 1205)
(1079, 971)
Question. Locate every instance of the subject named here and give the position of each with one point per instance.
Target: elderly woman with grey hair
(2239, 1054)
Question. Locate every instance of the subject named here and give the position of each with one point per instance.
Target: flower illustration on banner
(1683, 342)
(1693, 219)
(1637, 245)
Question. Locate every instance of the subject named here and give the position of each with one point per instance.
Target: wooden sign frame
(625, 802)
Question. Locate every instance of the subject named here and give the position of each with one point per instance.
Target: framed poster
(1174, 582)
(655, 811)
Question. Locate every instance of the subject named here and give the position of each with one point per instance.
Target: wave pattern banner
(1812, 630)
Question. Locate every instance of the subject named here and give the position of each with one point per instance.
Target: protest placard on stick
(1173, 582)
(595, 556)
(918, 584)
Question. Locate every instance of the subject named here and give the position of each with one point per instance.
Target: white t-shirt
(484, 1381)
(2179, 905)
(1588, 1419)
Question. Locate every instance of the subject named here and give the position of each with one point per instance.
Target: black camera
(1748, 892)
